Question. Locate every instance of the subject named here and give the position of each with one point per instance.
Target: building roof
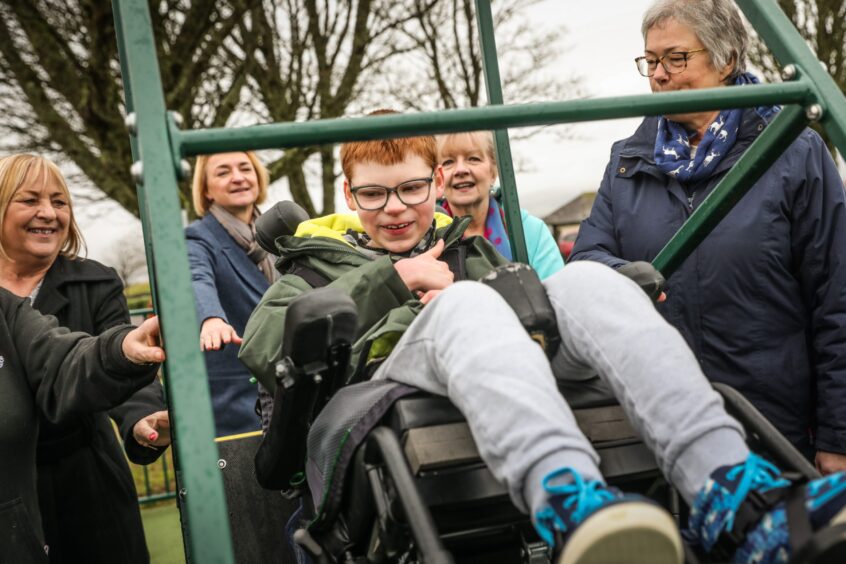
(573, 211)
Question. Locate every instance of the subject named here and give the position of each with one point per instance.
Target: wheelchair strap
(799, 528)
(311, 276)
(456, 259)
(756, 505)
(747, 516)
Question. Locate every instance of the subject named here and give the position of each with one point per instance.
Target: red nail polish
(153, 436)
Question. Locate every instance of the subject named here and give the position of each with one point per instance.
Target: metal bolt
(182, 493)
(184, 169)
(177, 119)
(789, 72)
(137, 172)
(814, 112)
(131, 123)
(317, 379)
(221, 464)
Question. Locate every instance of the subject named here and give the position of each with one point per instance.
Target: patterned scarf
(362, 240)
(495, 231)
(245, 236)
(672, 144)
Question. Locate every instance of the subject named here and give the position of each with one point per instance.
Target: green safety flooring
(164, 537)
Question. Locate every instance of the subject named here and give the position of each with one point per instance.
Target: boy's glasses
(411, 193)
(673, 63)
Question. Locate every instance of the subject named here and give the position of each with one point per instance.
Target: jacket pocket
(18, 542)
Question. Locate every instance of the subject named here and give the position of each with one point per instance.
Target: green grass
(164, 535)
(161, 518)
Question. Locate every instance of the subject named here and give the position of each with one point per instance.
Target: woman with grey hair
(761, 300)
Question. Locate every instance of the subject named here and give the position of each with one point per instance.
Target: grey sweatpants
(468, 345)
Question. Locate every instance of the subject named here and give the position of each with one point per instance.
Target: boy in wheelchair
(424, 322)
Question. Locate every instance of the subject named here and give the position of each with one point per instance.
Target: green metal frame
(159, 147)
(204, 507)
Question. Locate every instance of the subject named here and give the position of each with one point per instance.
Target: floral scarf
(672, 144)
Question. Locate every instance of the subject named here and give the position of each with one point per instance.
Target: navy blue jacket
(227, 284)
(762, 300)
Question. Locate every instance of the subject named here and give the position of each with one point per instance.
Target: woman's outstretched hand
(216, 334)
(141, 345)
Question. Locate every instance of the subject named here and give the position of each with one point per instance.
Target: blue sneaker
(719, 502)
(590, 522)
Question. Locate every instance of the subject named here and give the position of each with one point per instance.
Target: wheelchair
(402, 481)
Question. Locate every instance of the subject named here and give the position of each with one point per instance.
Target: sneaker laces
(758, 474)
(586, 496)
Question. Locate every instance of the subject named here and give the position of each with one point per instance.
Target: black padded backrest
(282, 219)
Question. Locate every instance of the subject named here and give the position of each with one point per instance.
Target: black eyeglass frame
(660, 60)
(395, 190)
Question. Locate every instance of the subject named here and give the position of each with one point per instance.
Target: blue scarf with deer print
(672, 144)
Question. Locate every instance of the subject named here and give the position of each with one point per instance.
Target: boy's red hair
(388, 151)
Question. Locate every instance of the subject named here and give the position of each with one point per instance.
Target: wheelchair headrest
(282, 219)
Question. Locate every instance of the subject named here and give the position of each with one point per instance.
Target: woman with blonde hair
(86, 493)
(230, 272)
(470, 172)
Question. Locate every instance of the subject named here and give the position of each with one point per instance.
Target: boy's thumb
(436, 251)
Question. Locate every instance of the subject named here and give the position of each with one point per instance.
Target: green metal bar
(768, 147)
(788, 47)
(147, 489)
(133, 145)
(493, 84)
(156, 497)
(166, 474)
(295, 134)
(209, 536)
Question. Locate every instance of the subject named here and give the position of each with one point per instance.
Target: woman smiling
(760, 300)
(86, 493)
(230, 272)
(470, 171)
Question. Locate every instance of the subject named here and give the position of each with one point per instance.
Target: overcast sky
(601, 40)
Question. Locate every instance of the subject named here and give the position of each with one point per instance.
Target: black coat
(45, 368)
(89, 506)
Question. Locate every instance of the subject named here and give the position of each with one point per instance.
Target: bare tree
(822, 23)
(315, 59)
(126, 255)
(447, 41)
(62, 86)
(226, 62)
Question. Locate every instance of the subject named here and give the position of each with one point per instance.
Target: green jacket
(386, 307)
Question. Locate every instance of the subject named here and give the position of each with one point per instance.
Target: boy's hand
(427, 297)
(141, 345)
(216, 334)
(425, 272)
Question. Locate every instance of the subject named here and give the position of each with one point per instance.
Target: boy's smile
(396, 227)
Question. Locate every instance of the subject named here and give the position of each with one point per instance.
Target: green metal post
(133, 145)
(493, 84)
(737, 182)
(209, 539)
(788, 47)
